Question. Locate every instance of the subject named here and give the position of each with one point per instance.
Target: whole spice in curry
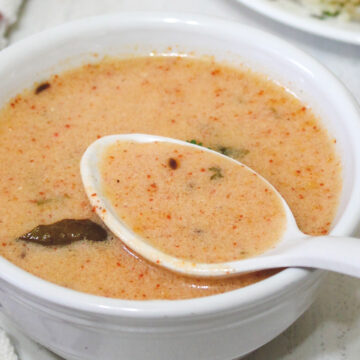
(65, 232)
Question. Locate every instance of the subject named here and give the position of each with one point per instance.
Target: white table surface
(330, 329)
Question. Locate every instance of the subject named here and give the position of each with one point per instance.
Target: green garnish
(217, 173)
(235, 153)
(232, 152)
(44, 201)
(195, 142)
(326, 14)
(330, 14)
(40, 202)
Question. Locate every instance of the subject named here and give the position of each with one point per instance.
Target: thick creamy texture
(43, 136)
(190, 203)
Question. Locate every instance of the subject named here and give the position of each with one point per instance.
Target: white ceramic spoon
(294, 249)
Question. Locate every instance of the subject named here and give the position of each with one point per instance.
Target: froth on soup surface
(191, 203)
(44, 132)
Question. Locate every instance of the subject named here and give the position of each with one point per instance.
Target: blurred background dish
(329, 24)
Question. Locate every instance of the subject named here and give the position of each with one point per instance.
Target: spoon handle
(339, 254)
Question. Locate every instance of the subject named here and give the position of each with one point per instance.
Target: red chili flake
(151, 199)
(158, 261)
(157, 286)
(234, 227)
(118, 264)
(104, 211)
(301, 196)
(168, 217)
(12, 105)
(215, 72)
(82, 266)
(190, 173)
(148, 176)
(153, 185)
(98, 136)
(234, 243)
(271, 160)
(173, 121)
(324, 231)
(94, 194)
(33, 107)
(67, 126)
(94, 87)
(266, 190)
(141, 275)
(298, 171)
(33, 139)
(321, 184)
(56, 134)
(41, 193)
(202, 170)
(261, 92)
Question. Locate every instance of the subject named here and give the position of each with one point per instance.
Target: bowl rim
(35, 287)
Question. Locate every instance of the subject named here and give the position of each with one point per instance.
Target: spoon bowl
(293, 248)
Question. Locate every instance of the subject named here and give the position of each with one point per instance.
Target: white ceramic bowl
(81, 326)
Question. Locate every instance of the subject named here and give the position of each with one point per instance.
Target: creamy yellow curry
(190, 203)
(45, 130)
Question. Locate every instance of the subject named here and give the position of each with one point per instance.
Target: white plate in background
(292, 13)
